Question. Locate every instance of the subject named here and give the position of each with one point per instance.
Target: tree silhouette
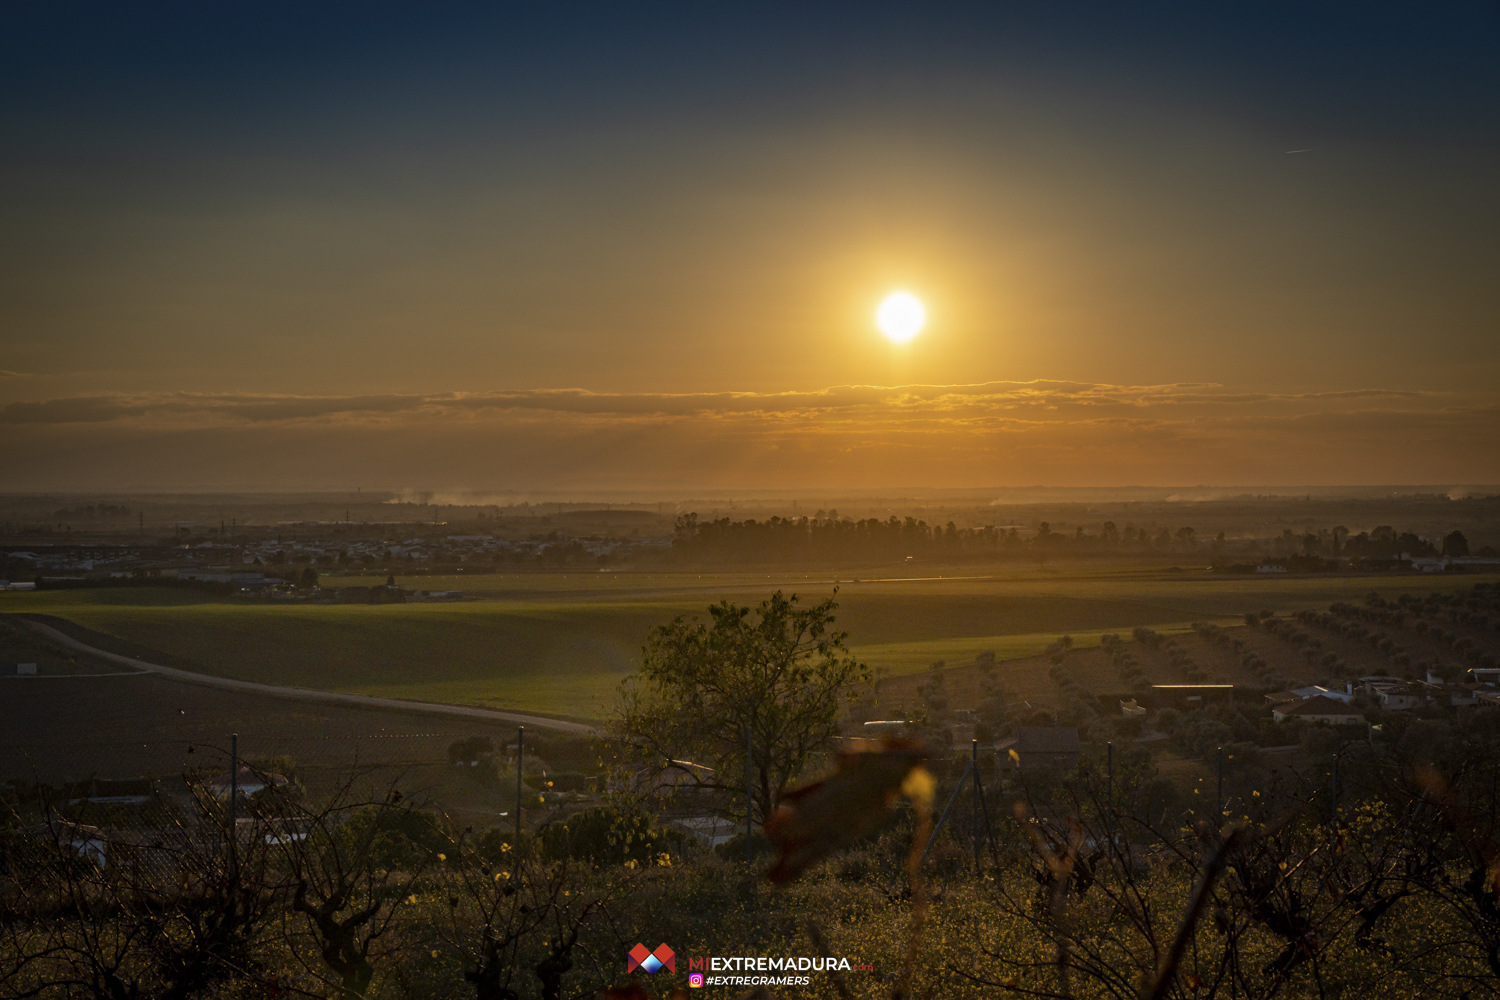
(776, 676)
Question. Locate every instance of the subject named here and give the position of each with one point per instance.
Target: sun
(901, 317)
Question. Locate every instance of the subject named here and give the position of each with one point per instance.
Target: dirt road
(303, 694)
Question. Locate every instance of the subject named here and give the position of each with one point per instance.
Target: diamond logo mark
(651, 961)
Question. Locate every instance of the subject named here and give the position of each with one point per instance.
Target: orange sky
(1055, 433)
(647, 256)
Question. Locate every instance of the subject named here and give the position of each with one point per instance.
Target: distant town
(257, 550)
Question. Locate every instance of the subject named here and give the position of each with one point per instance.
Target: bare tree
(351, 866)
(170, 910)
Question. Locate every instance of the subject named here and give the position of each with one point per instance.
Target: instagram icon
(695, 980)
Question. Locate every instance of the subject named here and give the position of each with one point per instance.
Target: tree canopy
(774, 675)
(1455, 545)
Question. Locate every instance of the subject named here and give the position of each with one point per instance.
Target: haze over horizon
(604, 248)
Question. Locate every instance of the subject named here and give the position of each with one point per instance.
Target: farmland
(125, 726)
(563, 646)
(19, 645)
(1406, 636)
(78, 720)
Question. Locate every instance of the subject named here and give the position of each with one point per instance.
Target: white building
(1320, 709)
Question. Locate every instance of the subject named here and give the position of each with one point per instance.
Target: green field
(609, 581)
(563, 647)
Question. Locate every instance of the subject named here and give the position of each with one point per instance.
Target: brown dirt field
(74, 728)
(20, 645)
(1027, 679)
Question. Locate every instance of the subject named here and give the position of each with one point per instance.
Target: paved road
(303, 694)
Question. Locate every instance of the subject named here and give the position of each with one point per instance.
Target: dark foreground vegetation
(1354, 862)
(1372, 873)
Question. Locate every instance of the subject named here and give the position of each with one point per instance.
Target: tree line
(828, 538)
(895, 539)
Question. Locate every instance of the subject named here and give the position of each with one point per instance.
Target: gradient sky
(566, 246)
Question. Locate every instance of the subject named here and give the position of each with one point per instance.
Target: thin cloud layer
(989, 434)
(907, 399)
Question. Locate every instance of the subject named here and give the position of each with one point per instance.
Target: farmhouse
(711, 831)
(1321, 708)
(677, 777)
(1191, 695)
(884, 727)
(106, 791)
(1393, 694)
(87, 841)
(250, 782)
(1399, 699)
(1318, 691)
(1304, 693)
(1436, 689)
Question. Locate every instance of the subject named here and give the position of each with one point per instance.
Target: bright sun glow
(901, 317)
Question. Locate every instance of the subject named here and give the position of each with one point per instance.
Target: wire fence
(63, 730)
(54, 761)
(112, 763)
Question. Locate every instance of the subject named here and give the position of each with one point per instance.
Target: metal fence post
(234, 796)
(1333, 792)
(1219, 810)
(937, 827)
(749, 792)
(1109, 801)
(974, 764)
(520, 750)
